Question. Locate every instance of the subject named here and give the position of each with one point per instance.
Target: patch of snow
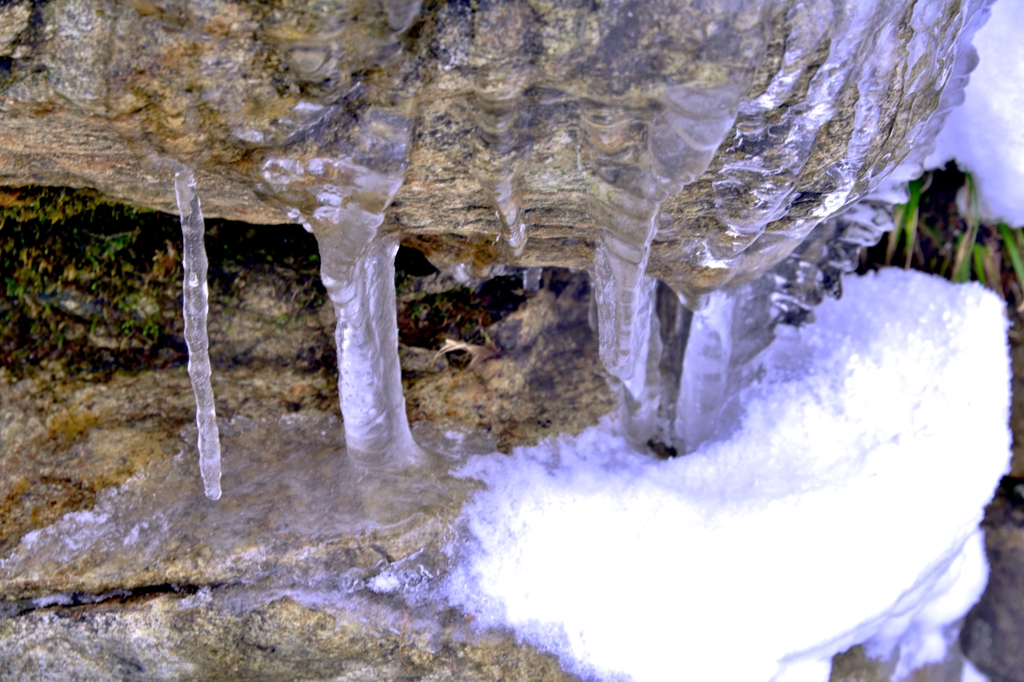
(972, 674)
(844, 509)
(984, 135)
(384, 582)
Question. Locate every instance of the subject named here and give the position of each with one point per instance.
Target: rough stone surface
(112, 95)
(112, 562)
(276, 580)
(1017, 400)
(994, 631)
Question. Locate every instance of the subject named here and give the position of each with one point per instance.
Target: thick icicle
(631, 365)
(668, 151)
(196, 306)
(344, 203)
(359, 278)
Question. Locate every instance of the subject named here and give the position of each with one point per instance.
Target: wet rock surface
(676, 139)
(114, 563)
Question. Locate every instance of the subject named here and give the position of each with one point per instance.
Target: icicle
(663, 153)
(196, 306)
(503, 73)
(359, 278)
(624, 302)
(531, 279)
(702, 391)
(357, 266)
(674, 326)
(643, 385)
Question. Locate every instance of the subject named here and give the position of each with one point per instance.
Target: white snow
(844, 508)
(972, 674)
(984, 135)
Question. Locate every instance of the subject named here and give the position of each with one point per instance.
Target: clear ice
(705, 375)
(498, 90)
(195, 307)
(359, 274)
(342, 203)
(674, 147)
(639, 151)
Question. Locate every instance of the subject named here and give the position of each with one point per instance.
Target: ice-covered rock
(701, 140)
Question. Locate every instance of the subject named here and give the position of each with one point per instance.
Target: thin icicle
(196, 306)
(702, 391)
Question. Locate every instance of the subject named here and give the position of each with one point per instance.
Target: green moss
(97, 285)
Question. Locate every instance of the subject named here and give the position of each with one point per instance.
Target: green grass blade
(965, 244)
(1010, 246)
(894, 234)
(911, 214)
(979, 265)
(962, 261)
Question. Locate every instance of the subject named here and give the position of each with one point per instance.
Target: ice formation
(984, 135)
(341, 199)
(663, 153)
(195, 307)
(677, 355)
(501, 152)
(843, 509)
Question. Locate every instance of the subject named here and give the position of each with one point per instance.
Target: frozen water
(757, 189)
(341, 198)
(362, 290)
(984, 135)
(844, 508)
(640, 149)
(499, 86)
(675, 147)
(702, 390)
(532, 279)
(196, 306)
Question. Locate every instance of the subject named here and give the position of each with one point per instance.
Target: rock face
(705, 138)
(995, 626)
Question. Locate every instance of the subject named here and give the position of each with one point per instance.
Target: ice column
(196, 306)
(342, 202)
(637, 163)
(358, 271)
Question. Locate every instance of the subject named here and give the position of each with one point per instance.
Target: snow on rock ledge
(843, 509)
